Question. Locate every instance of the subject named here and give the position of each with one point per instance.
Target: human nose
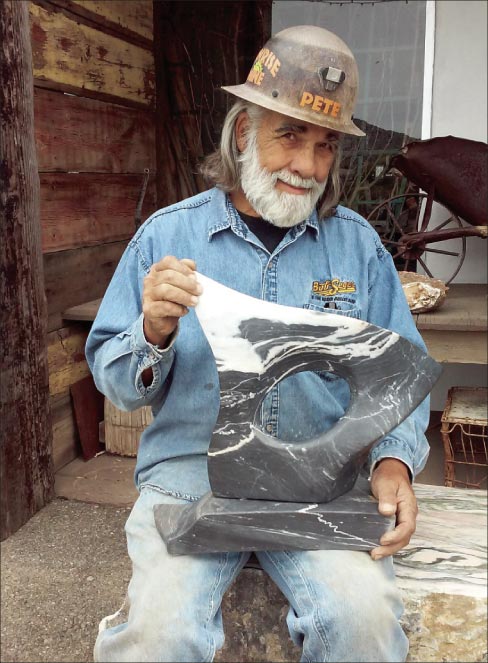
(303, 163)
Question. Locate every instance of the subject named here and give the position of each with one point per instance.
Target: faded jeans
(343, 605)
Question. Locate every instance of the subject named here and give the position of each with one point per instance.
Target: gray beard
(280, 208)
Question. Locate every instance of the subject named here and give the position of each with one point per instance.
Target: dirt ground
(60, 574)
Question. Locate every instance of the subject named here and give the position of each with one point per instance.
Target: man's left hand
(390, 484)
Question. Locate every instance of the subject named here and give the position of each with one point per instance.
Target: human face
(284, 167)
(301, 148)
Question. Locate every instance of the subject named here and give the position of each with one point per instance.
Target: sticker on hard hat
(320, 104)
(265, 58)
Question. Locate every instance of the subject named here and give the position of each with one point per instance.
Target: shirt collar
(224, 215)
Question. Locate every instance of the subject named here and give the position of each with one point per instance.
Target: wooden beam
(130, 20)
(82, 58)
(86, 135)
(26, 466)
(66, 355)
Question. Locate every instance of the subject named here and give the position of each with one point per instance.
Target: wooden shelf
(456, 333)
(87, 311)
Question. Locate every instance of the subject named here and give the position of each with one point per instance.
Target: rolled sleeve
(389, 309)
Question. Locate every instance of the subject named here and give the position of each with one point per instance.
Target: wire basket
(464, 431)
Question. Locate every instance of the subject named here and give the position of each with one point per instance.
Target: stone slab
(216, 524)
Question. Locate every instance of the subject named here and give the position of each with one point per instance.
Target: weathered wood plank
(456, 347)
(83, 209)
(83, 58)
(86, 311)
(26, 471)
(66, 446)
(86, 135)
(66, 358)
(133, 15)
(72, 277)
(465, 309)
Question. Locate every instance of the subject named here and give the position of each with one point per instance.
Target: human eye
(328, 146)
(289, 136)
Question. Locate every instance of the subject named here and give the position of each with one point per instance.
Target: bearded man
(271, 228)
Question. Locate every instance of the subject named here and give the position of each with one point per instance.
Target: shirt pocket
(330, 305)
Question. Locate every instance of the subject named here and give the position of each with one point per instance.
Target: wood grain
(456, 347)
(133, 15)
(87, 135)
(26, 470)
(73, 277)
(66, 446)
(66, 358)
(465, 309)
(83, 58)
(83, 209)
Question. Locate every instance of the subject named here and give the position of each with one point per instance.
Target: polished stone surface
(258, 343)
(215, 524)
(272, 494)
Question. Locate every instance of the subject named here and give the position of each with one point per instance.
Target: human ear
(241, 129)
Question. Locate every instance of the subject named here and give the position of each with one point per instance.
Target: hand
(390, 484)
(169, 289)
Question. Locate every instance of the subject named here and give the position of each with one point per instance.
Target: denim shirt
(337, 264)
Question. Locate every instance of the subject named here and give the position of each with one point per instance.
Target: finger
(172, 278)
(394, 540)
(160, 310)
(172, 263)
(190, 263)
(167, 293)
(387, 499)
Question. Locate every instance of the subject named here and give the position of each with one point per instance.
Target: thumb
(387, 499)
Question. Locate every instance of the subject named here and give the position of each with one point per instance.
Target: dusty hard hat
(308, 73)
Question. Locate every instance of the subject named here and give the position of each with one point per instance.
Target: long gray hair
(222, 167)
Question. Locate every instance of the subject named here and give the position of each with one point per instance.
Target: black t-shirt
(269, 234)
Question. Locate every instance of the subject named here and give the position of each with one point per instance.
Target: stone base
(213, 524)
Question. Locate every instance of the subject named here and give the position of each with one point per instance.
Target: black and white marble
(271, 494)
(214, 524)
(258, 343)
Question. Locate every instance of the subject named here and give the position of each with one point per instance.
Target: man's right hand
(169, 290)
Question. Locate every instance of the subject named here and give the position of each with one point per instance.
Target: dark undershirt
(269, 234)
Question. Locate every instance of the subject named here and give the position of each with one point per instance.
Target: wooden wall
(94, 101)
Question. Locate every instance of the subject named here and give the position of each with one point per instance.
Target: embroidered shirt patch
(332, 287)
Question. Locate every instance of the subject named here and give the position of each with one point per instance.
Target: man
(270, 228)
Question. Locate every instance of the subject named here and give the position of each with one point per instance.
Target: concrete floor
(108, 479)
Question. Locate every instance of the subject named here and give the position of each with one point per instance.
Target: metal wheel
(402, 221)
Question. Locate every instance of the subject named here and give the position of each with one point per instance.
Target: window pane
(387, 39)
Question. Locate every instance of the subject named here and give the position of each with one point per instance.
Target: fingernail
(194, 300)
(376, 556)
(199, 289)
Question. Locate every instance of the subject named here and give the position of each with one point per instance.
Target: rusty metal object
(464, 431)
(454, 171)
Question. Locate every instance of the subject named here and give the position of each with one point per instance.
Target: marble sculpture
(273, 494)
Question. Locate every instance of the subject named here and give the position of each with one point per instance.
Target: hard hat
(308, 73)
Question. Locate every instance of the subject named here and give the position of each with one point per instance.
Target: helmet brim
(253, 95)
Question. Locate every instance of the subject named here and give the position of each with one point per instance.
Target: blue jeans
(343, 605)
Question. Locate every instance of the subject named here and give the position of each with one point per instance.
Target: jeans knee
(168, 643)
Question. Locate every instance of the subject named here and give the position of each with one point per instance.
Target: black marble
(274, 494)
(217, 524)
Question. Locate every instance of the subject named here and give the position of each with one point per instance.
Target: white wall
(459, 107)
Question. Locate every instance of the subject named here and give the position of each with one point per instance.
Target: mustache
(295, 180)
